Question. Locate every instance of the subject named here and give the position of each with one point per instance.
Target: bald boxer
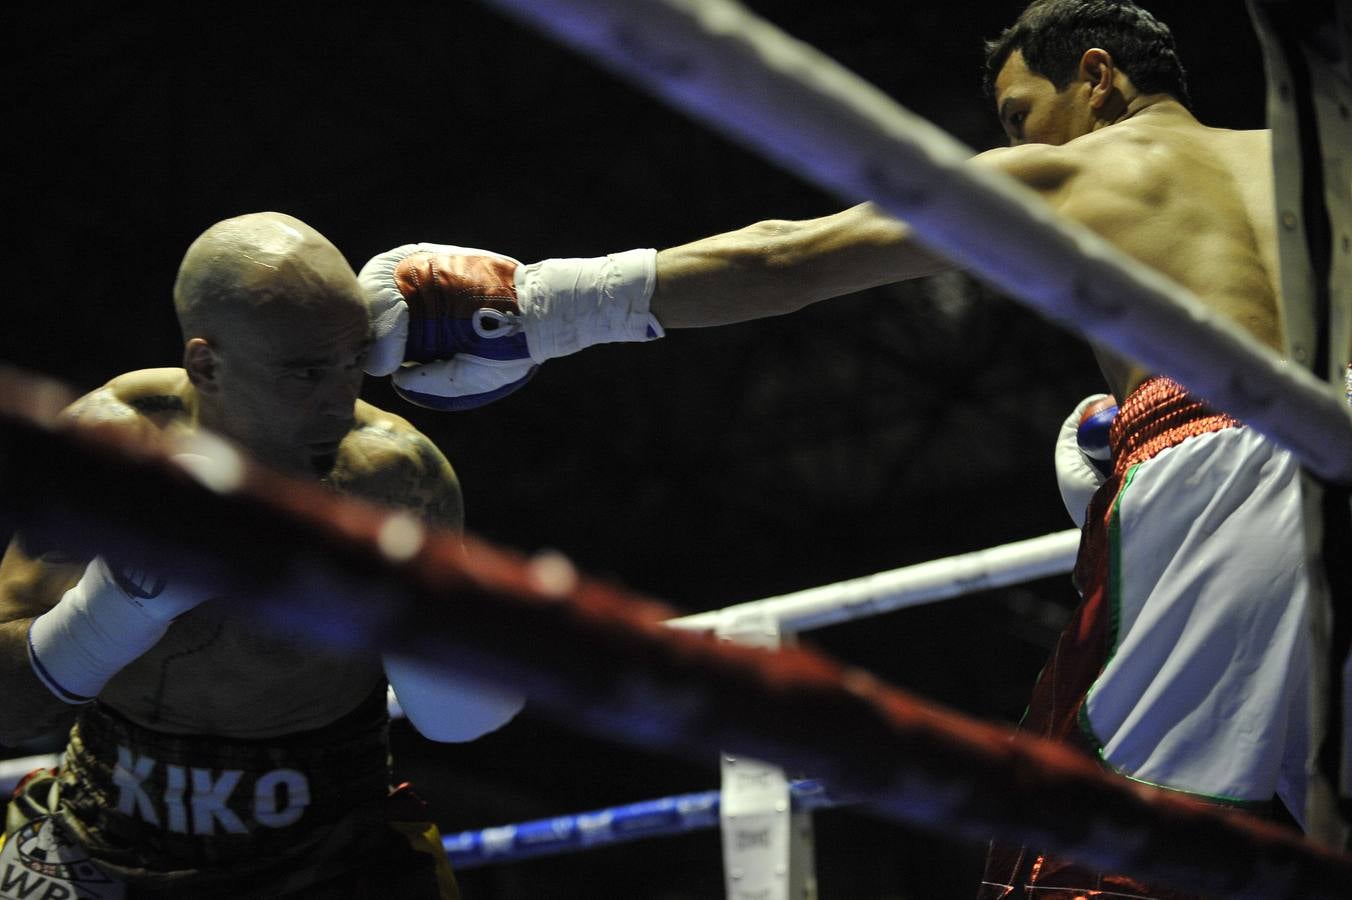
(1185, 666)
(211, 756)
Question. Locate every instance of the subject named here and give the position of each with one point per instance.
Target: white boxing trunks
(1186, 666)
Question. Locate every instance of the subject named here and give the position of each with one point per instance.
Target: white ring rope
(796, 106)
(872, 595)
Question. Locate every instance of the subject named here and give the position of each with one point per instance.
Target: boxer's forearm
(31, 582)
(67, 625)
(777, 267)
(27, 709)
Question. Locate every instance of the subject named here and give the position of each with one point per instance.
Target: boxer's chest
(215, 672)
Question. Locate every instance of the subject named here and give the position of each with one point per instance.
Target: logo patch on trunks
(38, 862)
(202, 801)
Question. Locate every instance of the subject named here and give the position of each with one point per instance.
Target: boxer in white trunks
(1191, 693)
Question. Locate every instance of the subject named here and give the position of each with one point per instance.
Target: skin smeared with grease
(276, 332)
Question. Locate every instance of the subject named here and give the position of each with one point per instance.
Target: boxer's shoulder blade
(1042, 167)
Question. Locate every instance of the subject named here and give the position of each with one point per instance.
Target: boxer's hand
(109, 618)
(1083, 456)
(475, 324)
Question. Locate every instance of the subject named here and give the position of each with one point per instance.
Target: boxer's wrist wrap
(100, 625)
(458, 327)
(570, 304)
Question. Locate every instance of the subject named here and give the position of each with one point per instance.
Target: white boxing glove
(1083, 456)
(476, 324)
(449, 708)
(108, 619)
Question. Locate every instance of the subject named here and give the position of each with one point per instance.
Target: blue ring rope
(615, 825)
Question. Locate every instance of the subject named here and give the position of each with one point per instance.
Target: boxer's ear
(1097, 70)
(199, 361)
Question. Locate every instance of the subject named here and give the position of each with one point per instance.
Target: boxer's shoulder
(387, 459)
(1044, 167)
(382, 439)
(143, 400)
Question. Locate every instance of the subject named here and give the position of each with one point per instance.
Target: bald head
(239, 266)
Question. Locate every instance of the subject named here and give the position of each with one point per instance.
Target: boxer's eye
(1012, 119)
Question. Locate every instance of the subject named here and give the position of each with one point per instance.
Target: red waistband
(1157, 415)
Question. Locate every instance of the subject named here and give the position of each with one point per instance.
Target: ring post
(767, 846)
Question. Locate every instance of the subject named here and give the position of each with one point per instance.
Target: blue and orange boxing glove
(458, 327)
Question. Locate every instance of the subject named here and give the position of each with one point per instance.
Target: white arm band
(452, 708)
(570, 304)
(98, 627)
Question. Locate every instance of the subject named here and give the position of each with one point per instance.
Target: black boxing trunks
(133, 813)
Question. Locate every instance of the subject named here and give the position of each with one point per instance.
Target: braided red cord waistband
(1159, 414)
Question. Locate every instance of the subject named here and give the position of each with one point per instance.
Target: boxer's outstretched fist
(459, 327)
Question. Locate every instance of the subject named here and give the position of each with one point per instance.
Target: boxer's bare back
(1194, 202)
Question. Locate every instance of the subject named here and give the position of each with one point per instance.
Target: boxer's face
(289, 379)
(1033, 111)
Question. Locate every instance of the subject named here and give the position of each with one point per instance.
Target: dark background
(715, 466)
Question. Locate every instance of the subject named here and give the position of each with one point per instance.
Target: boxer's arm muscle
(396, 465)
(29, 587)
(442, 706)
(33, 580)
(776, 267)
(435, 495)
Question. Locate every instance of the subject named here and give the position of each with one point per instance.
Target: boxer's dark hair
(1054, 34)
